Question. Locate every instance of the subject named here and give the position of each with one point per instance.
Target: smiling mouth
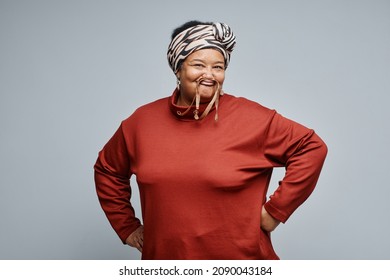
(206, 82)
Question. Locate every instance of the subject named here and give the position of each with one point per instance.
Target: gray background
(70, 71)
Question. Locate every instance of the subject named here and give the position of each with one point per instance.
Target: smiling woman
(199, 54)
(203, 180)
(200, 79)
(203, 72)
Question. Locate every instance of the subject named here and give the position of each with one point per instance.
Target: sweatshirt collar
(180, 111)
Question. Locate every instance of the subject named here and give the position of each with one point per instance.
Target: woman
(203, 162)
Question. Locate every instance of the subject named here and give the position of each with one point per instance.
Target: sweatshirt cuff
(275, 212)
(126, 233)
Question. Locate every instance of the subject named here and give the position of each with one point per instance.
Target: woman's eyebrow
(201, 60)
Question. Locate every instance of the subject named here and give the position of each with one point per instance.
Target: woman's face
(206, 66)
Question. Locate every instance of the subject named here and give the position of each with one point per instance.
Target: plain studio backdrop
(70, 71)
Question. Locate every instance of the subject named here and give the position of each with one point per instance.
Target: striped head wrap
(218, 36)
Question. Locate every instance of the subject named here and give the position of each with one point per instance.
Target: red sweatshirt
(202, 183)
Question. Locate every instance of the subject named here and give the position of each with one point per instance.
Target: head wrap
(218, 36)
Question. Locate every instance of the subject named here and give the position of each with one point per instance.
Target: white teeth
(204, 83)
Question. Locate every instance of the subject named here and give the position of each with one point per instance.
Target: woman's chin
(206, 95)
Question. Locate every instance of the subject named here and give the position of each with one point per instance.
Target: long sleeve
(202, 182)
(112, 179)
(302, 152)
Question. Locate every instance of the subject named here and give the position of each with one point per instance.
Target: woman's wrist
(268, 223)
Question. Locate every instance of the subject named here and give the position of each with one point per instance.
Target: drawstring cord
(196, 99)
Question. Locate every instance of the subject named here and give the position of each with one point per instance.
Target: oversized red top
(202, 183)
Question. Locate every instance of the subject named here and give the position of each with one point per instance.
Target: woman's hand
(268, 223)
(136, 239)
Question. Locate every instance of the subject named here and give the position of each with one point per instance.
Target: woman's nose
(208, 72)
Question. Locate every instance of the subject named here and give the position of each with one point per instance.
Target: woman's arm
(112, 180)
(302, 152)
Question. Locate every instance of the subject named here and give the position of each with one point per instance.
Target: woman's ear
(178, 82)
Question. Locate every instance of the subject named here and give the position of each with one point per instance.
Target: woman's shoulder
(245, 104)
(148, 110)
(153, 106)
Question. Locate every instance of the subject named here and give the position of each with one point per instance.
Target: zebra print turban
(218, 36)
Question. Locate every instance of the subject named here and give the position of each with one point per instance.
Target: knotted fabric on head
(217, 36)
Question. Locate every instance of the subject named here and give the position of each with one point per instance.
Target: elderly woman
(203, 161)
